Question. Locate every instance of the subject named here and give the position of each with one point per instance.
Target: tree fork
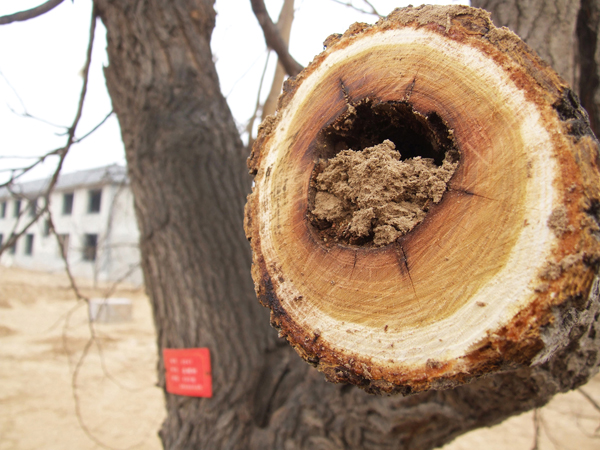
(485, 282)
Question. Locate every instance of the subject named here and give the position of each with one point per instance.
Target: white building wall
(117, 255)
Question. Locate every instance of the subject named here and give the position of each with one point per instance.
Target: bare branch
(77, 140)
(243, 75)
(355, 8)
(543, 424)
(284, 24)
(23, 170)
(61, 152)
(252, 119)
(39, 119)
(273, 38)
(19, 172)
(16, 235)
(373, 10)
(536, 429)
(25, 113)
(18, 157)
(589, 399)
(30, 13)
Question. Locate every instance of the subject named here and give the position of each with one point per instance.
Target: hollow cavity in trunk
(382, 165)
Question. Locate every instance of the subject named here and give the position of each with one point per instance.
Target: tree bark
(186, 165)
(565, 33)
(188, 175)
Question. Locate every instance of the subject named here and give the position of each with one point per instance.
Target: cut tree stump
(382, 268)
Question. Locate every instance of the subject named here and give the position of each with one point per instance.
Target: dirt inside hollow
(374, 192)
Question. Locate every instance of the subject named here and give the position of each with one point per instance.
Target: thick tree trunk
(189, 181)
(565, 33)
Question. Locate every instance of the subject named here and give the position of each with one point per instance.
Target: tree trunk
(565, 33)
(186, 166)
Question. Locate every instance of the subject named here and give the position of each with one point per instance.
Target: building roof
(100, 176)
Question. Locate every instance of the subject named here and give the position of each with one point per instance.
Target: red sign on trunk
(188, 371)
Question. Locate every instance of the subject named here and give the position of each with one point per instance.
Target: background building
(92, 212)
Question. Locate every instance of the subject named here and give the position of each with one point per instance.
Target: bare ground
(44, 332)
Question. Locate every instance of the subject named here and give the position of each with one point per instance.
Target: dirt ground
(44, 331)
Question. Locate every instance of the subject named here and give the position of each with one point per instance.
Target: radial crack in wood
(512, 243)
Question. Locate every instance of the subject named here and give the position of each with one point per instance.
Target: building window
(13, 248)
(1, 239)
(46, 231)
(67, 208)
(63, 245)
(32, 207)
(95, 197)
(3, 210)
(90, 245)
(17, 210)
(29, 244)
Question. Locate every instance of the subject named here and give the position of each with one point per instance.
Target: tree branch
(357, 9)
(25, 113)
(77, 140)
(273, 38)
(61, 152)
(284, 25)
(30, 13)
(250, 125)
(589, 398)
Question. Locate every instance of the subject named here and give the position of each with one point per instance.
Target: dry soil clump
(373, 195)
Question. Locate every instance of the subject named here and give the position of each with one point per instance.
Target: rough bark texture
(188, 176)
(565, 33)
(189, 180)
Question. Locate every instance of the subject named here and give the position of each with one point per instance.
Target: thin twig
(374, 11)
(30, 13)
(357, 9)
(93, 339)
(273, 38)
(25, 113)
(17, 157)
(107, 295)
(243, 75)
(284, 25)
(250, 125)
(589, 399)
(16, 235)
(39, 119)
(594, 404)
(61, 152)
(19, 172)
(88, 345)
(23, 170)
(553, 441)
(77, 140)
(536, 429)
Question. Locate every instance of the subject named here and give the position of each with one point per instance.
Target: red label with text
(188, 371)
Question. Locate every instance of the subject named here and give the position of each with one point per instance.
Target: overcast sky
(41, 62)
